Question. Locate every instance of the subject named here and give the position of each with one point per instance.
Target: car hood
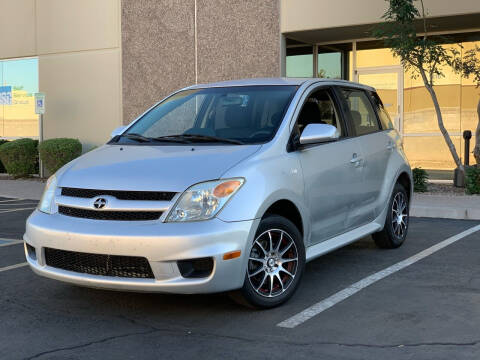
(152, 168)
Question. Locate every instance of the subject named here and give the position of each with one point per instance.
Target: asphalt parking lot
(427, 310)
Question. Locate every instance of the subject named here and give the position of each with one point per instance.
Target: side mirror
(117, 131)
(318, 133)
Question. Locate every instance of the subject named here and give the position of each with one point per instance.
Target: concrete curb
(445, 213)
(446, 207)
(21, 189)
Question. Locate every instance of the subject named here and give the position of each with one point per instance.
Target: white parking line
(10, 242)
(20, 202)
(327, 303)
(10, 200)
(11, 267)
(15, 206)
(3, 211)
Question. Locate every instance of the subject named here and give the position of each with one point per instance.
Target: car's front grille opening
(96, 264)
(119, 194)
(32, 254)
(110, 214)
(196, 268)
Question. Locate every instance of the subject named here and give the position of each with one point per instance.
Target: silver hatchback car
(231, 186)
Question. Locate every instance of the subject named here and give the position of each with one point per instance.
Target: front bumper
(162, 244)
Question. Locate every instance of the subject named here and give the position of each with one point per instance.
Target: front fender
(268, 179)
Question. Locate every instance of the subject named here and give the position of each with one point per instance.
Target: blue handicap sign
(5, 95)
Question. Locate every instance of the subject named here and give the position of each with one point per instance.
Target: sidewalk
(446, 206)
(22, 189)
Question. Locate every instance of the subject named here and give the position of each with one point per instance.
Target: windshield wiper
(138, 137)
(183, 138)
(141, 138)
(205, 138)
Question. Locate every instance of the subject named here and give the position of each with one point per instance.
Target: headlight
(203, 201)
(46, 203)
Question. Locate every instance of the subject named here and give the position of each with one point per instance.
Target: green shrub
(57, 152)
(472, 180)
(2, 168)
(420, 178)
(19, 157)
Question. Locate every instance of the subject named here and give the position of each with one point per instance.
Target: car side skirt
(341, 240)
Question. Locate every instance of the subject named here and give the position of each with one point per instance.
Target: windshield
(229, 115)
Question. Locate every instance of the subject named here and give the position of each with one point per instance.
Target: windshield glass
(230, 115)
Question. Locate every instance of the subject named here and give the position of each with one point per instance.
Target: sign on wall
(5, 95)
(40, 103)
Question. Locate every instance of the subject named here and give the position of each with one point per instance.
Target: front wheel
(396, 224)
(275, 265)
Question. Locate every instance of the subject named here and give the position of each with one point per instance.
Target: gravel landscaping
(444, 189)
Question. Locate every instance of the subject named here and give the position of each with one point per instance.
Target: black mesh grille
(95, 264)
(109, 215)
(31, 251)
(121, 195)
(195, 268)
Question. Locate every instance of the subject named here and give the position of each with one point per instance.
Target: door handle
(356, 160)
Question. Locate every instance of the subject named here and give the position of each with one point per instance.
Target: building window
(300, 61)
(18, 84)
(333, 61)
(330, 65)
(414, 110)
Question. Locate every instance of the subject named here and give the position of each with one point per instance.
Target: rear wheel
(396, 224)
(275, 265)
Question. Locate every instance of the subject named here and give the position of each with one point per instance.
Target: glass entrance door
(389, 84)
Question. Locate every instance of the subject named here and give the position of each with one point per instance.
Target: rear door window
(362, 115)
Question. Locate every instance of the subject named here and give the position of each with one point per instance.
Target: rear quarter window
(382, 113)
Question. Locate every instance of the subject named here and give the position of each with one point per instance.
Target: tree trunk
(476, 149)
(444, 131)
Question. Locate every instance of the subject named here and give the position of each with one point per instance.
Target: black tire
(394, 232)
(285, 237)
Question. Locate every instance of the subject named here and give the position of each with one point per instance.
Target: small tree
(469, 66)
(425, 57)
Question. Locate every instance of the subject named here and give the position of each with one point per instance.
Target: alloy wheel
(399, 215)
(273, 263)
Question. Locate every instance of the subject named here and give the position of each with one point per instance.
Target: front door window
(320, 109)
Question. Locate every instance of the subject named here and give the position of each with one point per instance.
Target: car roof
(278, 82)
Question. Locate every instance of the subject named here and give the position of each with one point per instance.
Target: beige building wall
(17, 28)
(78, 48)
(168, 45)
(83, 95)
(301, 15)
